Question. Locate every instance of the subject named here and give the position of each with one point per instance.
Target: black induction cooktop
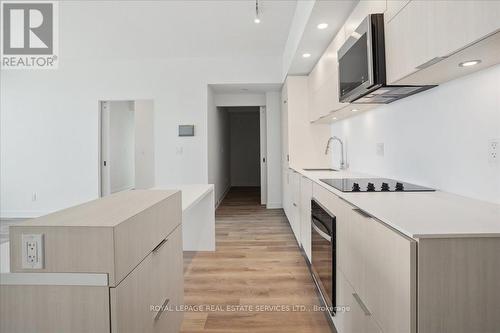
(374, 185)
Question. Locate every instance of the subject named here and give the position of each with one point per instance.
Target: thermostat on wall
(186, 130)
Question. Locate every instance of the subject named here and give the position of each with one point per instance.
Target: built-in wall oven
(323, 253)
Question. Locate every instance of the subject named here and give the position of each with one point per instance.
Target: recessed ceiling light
(322, 26)
(334, 118)
(354, 110)
(257, 20)
(469, 63)
(306, 55)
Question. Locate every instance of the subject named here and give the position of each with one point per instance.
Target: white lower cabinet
(352, 314)
(286, 195)
(295, 203)
(305, 215)
(378, 264)
(291, 200)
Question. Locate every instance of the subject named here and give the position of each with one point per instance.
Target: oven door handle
(321, 233)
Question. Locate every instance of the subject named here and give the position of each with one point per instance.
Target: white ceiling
(163, 29)
(315, 41)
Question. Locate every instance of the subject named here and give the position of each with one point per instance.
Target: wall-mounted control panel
(32, 251)
(186, 130)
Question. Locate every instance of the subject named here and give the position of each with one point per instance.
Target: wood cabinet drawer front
(353, 316)
(158, 281)
(51, 308)
(137, 237)
(382, 270)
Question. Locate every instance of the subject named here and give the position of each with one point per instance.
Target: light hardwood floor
(257, 262)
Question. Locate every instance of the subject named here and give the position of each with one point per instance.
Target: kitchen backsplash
(438, 138)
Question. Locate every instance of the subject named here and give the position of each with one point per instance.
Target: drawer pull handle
(362, 213)
(157, 247)
(162, 309)
(361, 304)
(431, 62)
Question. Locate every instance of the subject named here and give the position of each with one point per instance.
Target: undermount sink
(320, 169)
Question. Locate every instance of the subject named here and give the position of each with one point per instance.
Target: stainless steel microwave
(362, 67)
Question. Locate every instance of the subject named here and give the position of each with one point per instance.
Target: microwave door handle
(321, 233)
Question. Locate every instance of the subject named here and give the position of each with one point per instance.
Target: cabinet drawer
(156, 282)
(352, 316)
(382, 270)
(137, 236)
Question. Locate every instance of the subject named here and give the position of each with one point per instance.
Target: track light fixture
(257, 12)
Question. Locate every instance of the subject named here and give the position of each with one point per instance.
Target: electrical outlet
(34, 196)
(493, 150)
(380, 149)
(32, 251)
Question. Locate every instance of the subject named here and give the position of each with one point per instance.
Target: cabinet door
(284, 127)
(424, 32)
(407, 38)
(305, 215)
(352, 314)
(286, 195)
(141, 302)
(323, 87)
(295, 210)
(383, 272)
(457, 24)
(393, 8)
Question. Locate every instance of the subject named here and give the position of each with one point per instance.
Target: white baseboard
(21, 214)
(217, 204)
(274, 205)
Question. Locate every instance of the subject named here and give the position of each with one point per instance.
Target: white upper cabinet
(393, 8)
(460, 23)
(323, 82)
(299, 135)
(424, 32)
(324, 78)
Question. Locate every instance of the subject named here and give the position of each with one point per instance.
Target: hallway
(257, 263)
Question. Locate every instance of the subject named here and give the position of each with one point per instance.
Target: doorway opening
(126, 145)
(242, 150)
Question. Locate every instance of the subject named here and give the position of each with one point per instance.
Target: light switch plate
(32, 251)
(380, 149)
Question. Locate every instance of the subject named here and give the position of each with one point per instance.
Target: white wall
(121, 149)
(218, 148)
(144, 144)
(438, 138)
(273, 128)
(49, 141)
(245, 148)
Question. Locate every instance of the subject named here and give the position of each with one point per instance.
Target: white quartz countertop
(191, 193)
(420, 214)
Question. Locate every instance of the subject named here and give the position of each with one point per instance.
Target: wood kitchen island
(110, 265)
